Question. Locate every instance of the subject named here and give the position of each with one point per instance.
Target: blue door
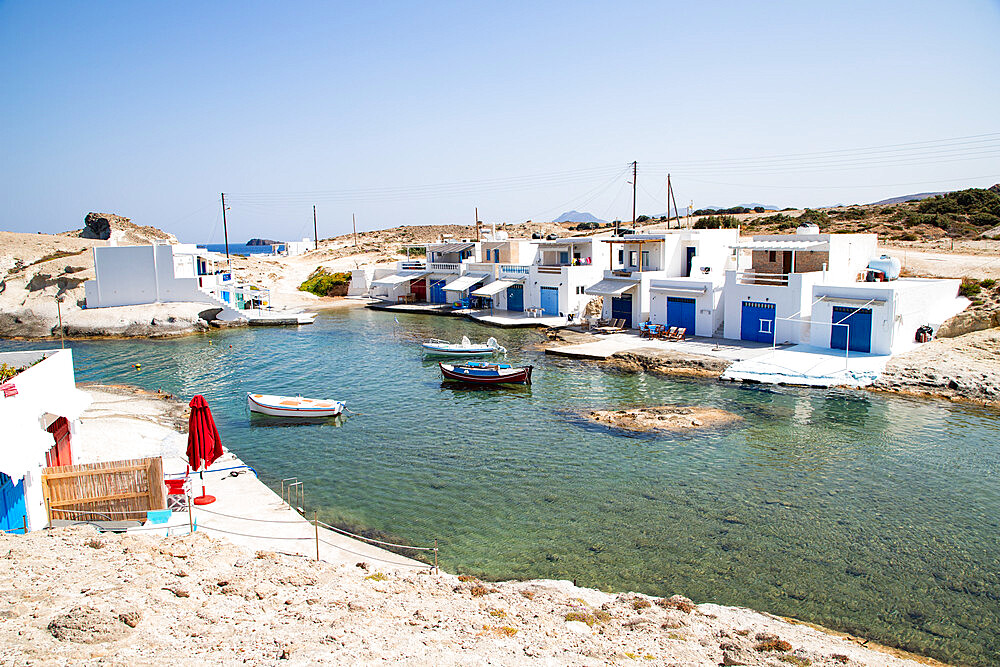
(437, 291)
(12, 511)
(757, 322)
(859, 324)
(621, 309)
(550, 301)
(563, 258)
(680, 313)
(496, 255)
(515, 297)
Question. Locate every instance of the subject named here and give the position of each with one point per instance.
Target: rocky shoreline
(74, 596)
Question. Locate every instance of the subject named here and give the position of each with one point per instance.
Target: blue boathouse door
(549, 297)
(680, 313)
(621, 309)
(515, 297)
(437, 291)
(859, 324)
(12, 510)
(757, 322)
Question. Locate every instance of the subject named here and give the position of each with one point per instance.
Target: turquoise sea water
(866, 513)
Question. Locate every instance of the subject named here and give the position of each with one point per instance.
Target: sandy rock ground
(663, 418)
(73, 596)
(665, 362)
(966, 367)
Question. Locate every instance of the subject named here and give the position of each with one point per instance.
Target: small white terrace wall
(793, 300)
(904, 306)
(45, 392)
(708, 306)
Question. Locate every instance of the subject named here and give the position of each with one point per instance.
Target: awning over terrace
(401, 277)
(684, 291)
(495, 287)
(611, 287)
(463, 283)
(450, 247)
(781, 245)
(852, 301)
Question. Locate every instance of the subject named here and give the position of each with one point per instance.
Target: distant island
(264, 242)
(577, 216)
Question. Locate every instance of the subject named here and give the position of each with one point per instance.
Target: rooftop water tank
(807, 228)
(889, 266)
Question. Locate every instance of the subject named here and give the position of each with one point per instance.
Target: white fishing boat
(464, 349)
(293, 406)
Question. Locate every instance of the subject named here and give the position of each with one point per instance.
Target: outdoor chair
(679, 335)
(668, 334)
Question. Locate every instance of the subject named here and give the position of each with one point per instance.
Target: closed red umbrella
(204, 443)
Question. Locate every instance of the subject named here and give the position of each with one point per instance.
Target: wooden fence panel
(112, 490)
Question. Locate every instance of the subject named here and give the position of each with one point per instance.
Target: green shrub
(718, 222)
(642, 218)
(323, 283)
(817, 217)
(987, 283)
(970, 287)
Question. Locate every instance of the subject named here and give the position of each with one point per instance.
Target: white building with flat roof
(563, 269)
(162, 272)
(673, 277)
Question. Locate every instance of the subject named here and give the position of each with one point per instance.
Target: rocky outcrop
(263, 242)
(663, 418)
(99, 225)
(666, 362)
(967, 322)
(121, 230)
(966, 368)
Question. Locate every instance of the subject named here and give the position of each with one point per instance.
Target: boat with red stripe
(481, 372)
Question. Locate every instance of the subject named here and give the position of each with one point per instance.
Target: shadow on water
(269, 421)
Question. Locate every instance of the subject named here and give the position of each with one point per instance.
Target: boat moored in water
(464, 349)
(293, 406)
(481, 372)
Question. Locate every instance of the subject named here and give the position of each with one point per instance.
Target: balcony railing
(550, 269)
(757, 278)
(519, 269)
(412, 265)
(444, 266)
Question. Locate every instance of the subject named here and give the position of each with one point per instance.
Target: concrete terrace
(607, 345)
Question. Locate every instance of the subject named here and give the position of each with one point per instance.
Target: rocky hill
(120, 230)
(73, 596)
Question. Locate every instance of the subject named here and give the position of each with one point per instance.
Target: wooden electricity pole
(354, 224)
(225, 230)
(315, 234)
(635, 172)
(477, 223)
(671, 197)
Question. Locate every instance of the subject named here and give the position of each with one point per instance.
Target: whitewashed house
(40, 409)
(811, 288)
(160, 273)
(507, 263)
(672, 277)
(562, 271)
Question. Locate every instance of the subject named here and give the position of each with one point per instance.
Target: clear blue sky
(415, 113)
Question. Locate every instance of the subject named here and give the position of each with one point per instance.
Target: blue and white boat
(466, 348)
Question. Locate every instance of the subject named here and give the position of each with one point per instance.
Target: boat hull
(287, 406)
(481, 376)
(432, 350)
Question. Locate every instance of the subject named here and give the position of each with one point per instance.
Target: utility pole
(315, 235)
(477, 223)
(354, 223)
(671, 197)
(225, 230)
(635, 172)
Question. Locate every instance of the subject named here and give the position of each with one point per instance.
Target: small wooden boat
(293, 406)
(481, 372)
(464, 349)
